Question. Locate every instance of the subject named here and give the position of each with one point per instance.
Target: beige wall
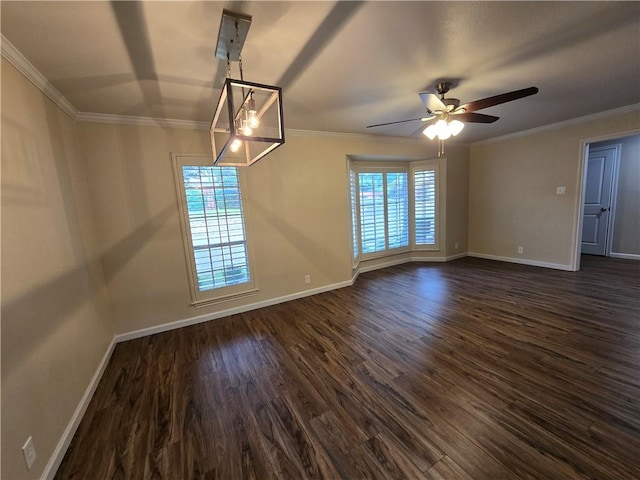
(626, 224)
(512, 191)
(56, 325)
(626, 228)
(457, 204)
(296, 205)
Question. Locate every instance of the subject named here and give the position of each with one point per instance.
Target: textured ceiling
(342, 65)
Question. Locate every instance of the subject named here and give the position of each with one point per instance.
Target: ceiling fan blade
(432, 102)
(423, 119)
(474, 117)
(497, 99)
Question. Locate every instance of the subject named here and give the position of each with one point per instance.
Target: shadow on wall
(302, 243)
(34, 315)
(49, 304)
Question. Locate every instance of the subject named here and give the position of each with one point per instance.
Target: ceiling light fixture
(443, 129)
(248, 121)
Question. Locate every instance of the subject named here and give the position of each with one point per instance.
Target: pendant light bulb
(246, 129)
(252, 118)
(242, 123)
(235, 145)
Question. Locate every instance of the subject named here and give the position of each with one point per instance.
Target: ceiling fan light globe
(444, 134)
(430, 132)
(455, 126)
(442, 129)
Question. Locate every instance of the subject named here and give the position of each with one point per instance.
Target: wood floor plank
(349, 460)
(471, 369)
(447, 469)
(306, 448)
(393, 457)
(569, 449)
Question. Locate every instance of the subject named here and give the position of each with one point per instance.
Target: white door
(597, 199)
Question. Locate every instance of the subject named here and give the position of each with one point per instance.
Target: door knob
(604, 209)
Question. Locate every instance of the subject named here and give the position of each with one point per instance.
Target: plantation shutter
(425, 206)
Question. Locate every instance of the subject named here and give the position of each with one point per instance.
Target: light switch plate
(29, 452)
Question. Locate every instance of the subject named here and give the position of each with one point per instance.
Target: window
(397, 210)
(372, 222)
(387, 212)
(384, 207)
(214, 229)
(424, 215)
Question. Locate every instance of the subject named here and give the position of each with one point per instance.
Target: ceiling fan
(446, 117)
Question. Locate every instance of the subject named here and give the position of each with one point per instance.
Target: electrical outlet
(455, 246)
(561, 190)
(307, 279)
(29, 452)
(520, 250)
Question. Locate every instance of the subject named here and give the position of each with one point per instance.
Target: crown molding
(565, 123)
(141, 121)
(24, 66)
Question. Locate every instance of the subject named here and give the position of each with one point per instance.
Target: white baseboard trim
(439, 259)
(165, 327)
(628, 256)
(456, 256)
(63, 444)
(522, 261)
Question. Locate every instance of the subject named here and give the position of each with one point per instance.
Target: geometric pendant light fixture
(248, 120)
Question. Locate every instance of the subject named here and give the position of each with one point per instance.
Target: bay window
(393, 207)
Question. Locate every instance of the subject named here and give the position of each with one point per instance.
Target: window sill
(384, 253)
(425, 248)
(226, 298)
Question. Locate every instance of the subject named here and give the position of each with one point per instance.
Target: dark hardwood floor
(471, 369)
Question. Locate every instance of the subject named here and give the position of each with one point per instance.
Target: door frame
(581, 181)
(613, 189)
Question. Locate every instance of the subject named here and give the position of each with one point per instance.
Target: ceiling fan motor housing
(451, 103)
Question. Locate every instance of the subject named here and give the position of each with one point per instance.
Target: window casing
(394, 207)
(214, 229)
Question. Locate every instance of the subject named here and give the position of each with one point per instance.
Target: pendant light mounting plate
(227, 39)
